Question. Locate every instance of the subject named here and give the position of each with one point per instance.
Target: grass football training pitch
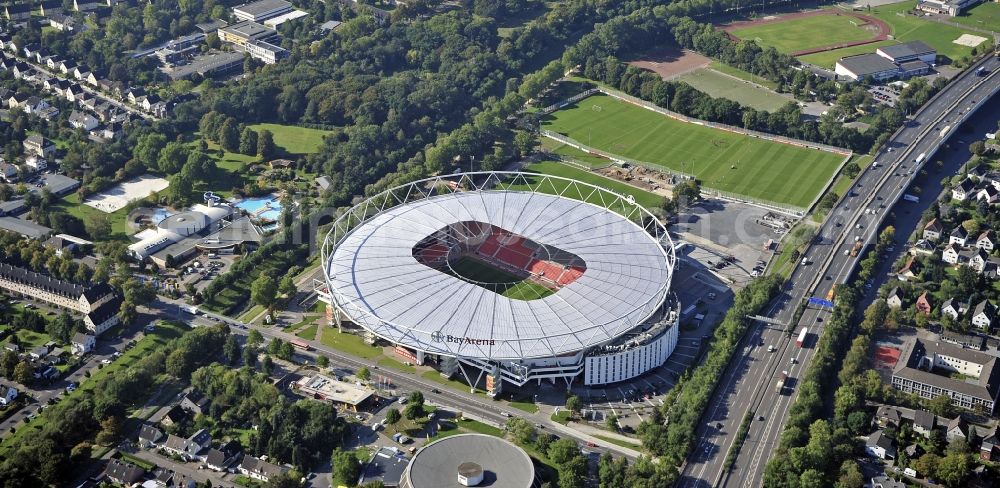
(503, 283)
(757, 168)
(806, 32)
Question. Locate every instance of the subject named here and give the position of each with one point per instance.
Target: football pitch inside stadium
(500, 281)
(721, 160)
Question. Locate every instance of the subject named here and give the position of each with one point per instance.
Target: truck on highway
(781, 382)
(802, 337)
(919, 159)
(830, 295)
(944, 131)
(191, 309)
(911, 198)
(856, 248)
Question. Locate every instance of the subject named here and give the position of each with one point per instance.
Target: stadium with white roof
(515, 276)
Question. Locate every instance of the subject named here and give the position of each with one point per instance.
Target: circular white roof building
(469, 460)
(595, 265)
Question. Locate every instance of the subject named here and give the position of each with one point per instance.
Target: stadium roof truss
(648, 273)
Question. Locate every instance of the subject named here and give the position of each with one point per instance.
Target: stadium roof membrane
(378, 283)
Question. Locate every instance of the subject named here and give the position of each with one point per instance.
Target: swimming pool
(266, 207)
(158, 215)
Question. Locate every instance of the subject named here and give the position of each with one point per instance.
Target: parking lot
(886, 95)
(706, 299)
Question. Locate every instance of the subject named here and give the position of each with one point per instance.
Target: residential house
(52, 62)
(75, 92)
(951, 308)
(982, 315)
(957, 429)
(39, 352)
(222, 457)
(149, 436)
(880, 445)
(63, 23)
(987, 241)
(909, 271)
(895, 298)
(39, 146)
(134, 95)
(958, 236)
(66, 67)
(923, 304)
(83, 343)
(8, 172)
(924, 422)
(913, 451)
(175, 445)
(887, 416)
(123, 473)
(951, 254)
(195, 403)
(978, 259)
(17, 11)
(174, 416)
(92, 79)
(198, 442)
(259, 469)
(933, 230)
(21, 70)
(988, 448)
(83, 120)
(989, 195)
(7, 394)
(886, 482)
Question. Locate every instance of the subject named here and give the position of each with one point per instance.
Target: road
(748, 387)
(489, 410)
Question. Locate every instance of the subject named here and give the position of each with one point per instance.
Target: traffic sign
(821, 302)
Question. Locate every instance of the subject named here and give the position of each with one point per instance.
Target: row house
(933, 230)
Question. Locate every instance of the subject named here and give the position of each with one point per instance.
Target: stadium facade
(515, 277)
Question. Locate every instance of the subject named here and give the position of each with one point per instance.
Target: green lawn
(456, 384)
(562, 416)
(396, 364)
(806, 32)
(986, 15)
(29, 340)
(309, 333)
(569, 152)
(293, 139)
(119, 228)
(721, 160)
(348, 343)
(555, 168)
(905, 28)
(842, 183)
(743, 75)
(526, 406)
(497, 280)
(720, 85)
(614, 440)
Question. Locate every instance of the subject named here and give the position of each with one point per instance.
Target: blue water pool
(159, 214)
(266, 207)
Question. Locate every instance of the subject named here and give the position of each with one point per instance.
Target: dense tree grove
(302, 433)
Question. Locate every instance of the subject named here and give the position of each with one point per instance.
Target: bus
(830, 295)
(300, 344)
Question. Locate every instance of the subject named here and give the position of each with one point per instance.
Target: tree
(953, 469)
(231, 350)
(229, 135)
(254, 339)
(248, 141)
(364, 374)
(263, 290)
(525, 142)
(611, 421)
(521, 429)
(287, 287)
(97, 224)
(940, 406)
(573, 404)
(265, 144)
(927, 464)
(850, 476)
(23, 373)
(346, 468)
(322, 361)
(393, 416)
(414, 411)
(686, 193)
(978, 148)
(111, 431)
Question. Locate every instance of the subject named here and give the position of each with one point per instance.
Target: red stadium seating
(510, 257)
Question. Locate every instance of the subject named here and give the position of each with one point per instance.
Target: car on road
(771, 348)
(505, 414)
(760, 417)
(794, 361)
(435, 390)
(105, 361)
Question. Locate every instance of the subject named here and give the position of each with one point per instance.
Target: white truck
(911, 198)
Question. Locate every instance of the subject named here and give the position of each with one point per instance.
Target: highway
(748, 386)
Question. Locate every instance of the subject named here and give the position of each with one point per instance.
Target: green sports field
(806, 32)
(986, 15)
(504, 283)
(720, 85)
(905, 28)
(722, 160)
